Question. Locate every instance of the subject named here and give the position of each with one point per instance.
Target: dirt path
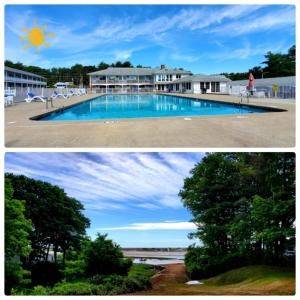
(172, 273)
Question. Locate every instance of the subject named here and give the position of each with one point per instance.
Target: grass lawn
(142, 270)
(251, 280)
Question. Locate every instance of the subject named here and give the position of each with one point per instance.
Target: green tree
(103, 256)
(17, 243)
(57, 219)
(244, 207)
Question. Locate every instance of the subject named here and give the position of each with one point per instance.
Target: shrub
(74, 288)
(106, 279)
(74, 269)
(46, 273)
(103, 256)
(39, 290)
(201, 264)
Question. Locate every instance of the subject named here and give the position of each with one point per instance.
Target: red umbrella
(251, 82)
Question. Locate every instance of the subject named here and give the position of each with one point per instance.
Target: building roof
(202, 78)
(137, 71)
(22, 72)
(288, 81)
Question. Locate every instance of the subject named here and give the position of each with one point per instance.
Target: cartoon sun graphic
(36, 37)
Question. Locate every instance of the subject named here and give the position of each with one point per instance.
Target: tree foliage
(276, 65)
(244, 207)
(76, 74)
(57, 219)
(17, 243)
(103, 256)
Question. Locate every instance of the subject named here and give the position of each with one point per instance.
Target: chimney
(162, 67)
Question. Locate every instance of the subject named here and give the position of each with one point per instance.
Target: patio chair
(59, 95)
(8, 100)
(33, 97)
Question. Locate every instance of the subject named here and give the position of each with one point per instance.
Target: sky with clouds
(131, 196)
(199, 38)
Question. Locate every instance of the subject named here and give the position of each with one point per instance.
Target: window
(178, 76)
(215, 87)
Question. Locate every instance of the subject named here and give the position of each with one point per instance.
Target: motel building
(135, 79)
(201, 84)
(163, 79)
(14, 78)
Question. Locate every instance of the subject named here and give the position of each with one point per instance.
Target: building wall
(13, 79)
(223, 87)
(196, 87)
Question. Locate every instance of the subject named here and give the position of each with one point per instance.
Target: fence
(122, 90)
(283, 92)
(21, 92)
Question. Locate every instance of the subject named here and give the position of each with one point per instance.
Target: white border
(124, 2)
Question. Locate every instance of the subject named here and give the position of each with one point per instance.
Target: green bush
(46, 273)
(74, 269)
(103, 256)
(106, 279)
(74, 288)
(201, 263)
(40, 290)
(142, 270)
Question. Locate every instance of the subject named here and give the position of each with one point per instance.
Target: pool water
(147, 106)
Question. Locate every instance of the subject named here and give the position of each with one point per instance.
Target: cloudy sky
(202, 38)
(131, 196)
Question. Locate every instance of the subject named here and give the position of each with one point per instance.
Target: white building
(279, 87)
(63, 84)
(14, 78)
(155, 79)
(201, 84)
(135, 79)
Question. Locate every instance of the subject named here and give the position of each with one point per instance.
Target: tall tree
(244, 207)
(17, 243)
(57, 219)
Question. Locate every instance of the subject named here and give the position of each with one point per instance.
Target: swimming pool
(147, 106)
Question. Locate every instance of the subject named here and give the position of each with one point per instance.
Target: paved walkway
(274, 129)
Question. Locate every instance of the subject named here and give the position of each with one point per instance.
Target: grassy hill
(251, 280)
(256, 280)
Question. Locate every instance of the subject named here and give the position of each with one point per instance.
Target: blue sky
(199, 38)
(131, 196)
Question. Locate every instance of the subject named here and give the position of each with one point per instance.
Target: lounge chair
(8, 100)
(33, 97)
(74, 93)
(82, 91)
(58, 95)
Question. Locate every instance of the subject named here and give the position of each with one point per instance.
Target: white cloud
(268, 21)
(248, 50)
(114, 35)
(111, 181)
(167, 225)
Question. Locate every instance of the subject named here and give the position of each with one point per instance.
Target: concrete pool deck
(272, 129)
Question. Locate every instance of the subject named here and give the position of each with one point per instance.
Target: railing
(21, 92)
(98, 81)
(283, 92)
(140, 80)
(23, 80)
(122, 91)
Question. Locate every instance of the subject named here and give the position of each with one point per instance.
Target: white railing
(23, 80)
(21, 92)
(122, 90)
(283, 92)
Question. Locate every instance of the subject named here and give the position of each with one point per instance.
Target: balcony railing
(121, 82)
(23, 80)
